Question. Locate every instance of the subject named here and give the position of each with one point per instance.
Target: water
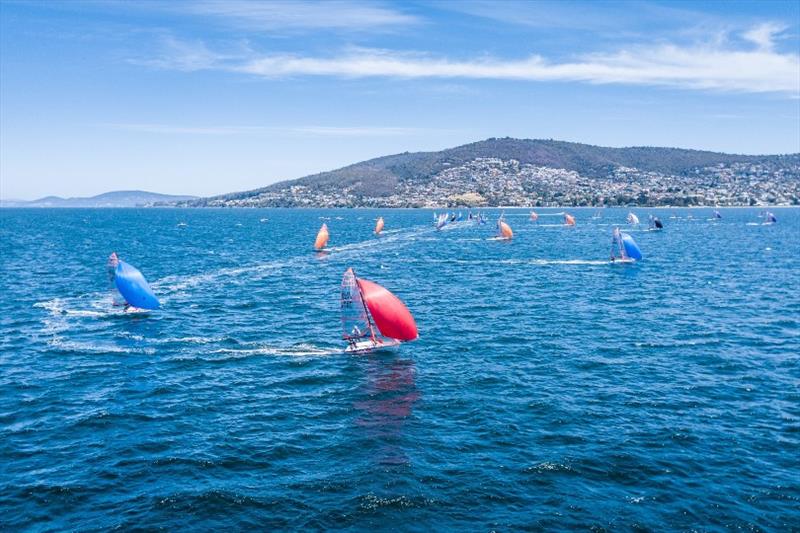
(549, 389)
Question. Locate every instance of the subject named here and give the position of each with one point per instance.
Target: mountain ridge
(129, 198)
(377, 182)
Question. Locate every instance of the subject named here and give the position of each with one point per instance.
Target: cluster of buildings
(498, 182)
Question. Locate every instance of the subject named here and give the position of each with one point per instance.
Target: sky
(205, 97)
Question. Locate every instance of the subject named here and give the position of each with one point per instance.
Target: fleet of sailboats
(372, 317)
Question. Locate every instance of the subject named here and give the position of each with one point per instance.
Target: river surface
(549, 389)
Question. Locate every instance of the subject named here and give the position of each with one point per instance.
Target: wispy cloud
(302, 131)
(719, 64)
(296, 15)
(763, 35)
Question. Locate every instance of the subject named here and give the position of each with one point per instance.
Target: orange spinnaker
(322, 237)
(391, 316)
(569, 220)
(505, 230)
(534, 217)
(379, 226)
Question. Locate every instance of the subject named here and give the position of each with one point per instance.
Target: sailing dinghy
(504, 230)
(134, 288)
(379, 226)
(534, 216)
(632, 219)
(569, 220)
(372, 317)
(322, 237)
(623, 248)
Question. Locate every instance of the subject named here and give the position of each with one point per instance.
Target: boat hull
(369, 345)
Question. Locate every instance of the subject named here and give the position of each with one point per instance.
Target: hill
(538, 172)
(109, 199)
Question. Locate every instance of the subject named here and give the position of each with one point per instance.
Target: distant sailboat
(442, 221)
(504, 230)
(379, 226)
(534, 217)
(717, 214)
(655, 223)
(569, 220)
(372, 317)
(769, 218)
(597, 214)
(322, 237)
(624, 248)
(133, 287)
(632, 219)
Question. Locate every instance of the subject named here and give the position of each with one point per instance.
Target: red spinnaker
(391, 316)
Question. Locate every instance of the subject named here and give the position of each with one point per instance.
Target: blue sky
(206, 97)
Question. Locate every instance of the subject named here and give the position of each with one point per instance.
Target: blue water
(549, 389)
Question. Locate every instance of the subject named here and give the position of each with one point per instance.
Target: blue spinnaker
(134, 288)
(631, 248)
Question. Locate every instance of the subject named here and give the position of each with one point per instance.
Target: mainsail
(134, 288)
(632, 219)
(534, 217)
(379, 226)
(111, 272)
(569, 220)
(356, 323)
(322, 237)
(367, 307)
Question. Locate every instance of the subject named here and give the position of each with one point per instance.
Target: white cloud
(186, 56)
(764, 35)
(714, 65)
(293, 15)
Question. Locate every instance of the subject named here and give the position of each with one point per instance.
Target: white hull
(369, 345)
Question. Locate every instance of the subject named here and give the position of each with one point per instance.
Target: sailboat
(632, 219)
(372, 317)
(534, 217)
(133, 287)
(322, 237)
(769, 218)
(442, 221)
(569, 220)
(379, 226)
(597, 214)
(717, 214)
(504, 230)
(623, 248)
(655, 223)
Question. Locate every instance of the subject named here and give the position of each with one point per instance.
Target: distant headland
(108, 199)
(535, 172)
